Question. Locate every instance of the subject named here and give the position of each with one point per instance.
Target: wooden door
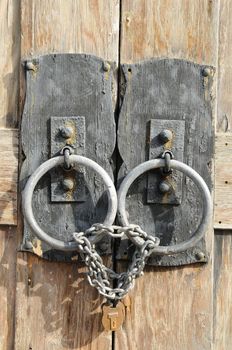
(47, 305)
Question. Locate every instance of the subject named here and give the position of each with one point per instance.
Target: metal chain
(100, 276)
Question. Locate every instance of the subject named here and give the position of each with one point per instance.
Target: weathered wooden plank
(8, 176)
(60, 310)
(166, 28)
(84, 26)
(9, 62)
(222, 290)
(7, 286)
(172, 308)
(223, 181)
(224, 105)
(56, 307)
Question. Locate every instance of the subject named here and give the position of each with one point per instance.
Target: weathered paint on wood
(172, 307)
(69, 26)
(7, 286)
(8, 176)
(167, 89)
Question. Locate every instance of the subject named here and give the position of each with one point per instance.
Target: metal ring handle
(196, 178)
(43, 169)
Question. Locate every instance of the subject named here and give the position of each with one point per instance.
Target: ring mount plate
(64, 86)
(166, 90)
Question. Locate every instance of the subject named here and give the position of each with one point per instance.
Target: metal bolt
(200, 256)
(106, 66)
(165, 135)
(206, 72)
(66, 132)
(28, 245)
(68, 184)
(31, 66)
(164, 187)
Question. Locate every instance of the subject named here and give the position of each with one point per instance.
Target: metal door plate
(166, 91)
(64, 89)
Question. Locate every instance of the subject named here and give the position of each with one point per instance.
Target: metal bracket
(68, 185)
(165, 135)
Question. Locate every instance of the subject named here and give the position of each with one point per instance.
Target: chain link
(100, 276)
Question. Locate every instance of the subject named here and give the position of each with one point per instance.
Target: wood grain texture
(169, 28)
(224, 110)
(172, 307)
(8, 176)
(9, 62)
(83, 26)
(7, 286)
(59, 310)
(56, 307)
(223, 181)
(223, 291)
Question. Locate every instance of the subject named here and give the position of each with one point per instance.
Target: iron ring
(43, 169)
(196, 178)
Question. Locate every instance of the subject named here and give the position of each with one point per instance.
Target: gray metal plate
(60, 86)
(170, 90)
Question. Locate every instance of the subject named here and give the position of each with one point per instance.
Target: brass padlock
(113, 316)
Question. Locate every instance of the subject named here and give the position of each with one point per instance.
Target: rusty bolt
(200, 256)
(106, 66)
(67, 184)
(206, 72)
(164, 187)
(165, 135)
(66, 132)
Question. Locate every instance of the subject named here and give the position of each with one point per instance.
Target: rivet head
(164, 187)
(106, 66)
(28, 244)
(31, 66)
(165, 135)
(67, 184)
(206, 72)
(66, 132)
(200, 256)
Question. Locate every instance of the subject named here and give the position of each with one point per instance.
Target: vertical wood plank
(55, 306)
(224, 112)
(223, 240)
(171, 308)
(8, 176)
(9, 71)
(223, 291)
(9, 62)
(7, 286)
